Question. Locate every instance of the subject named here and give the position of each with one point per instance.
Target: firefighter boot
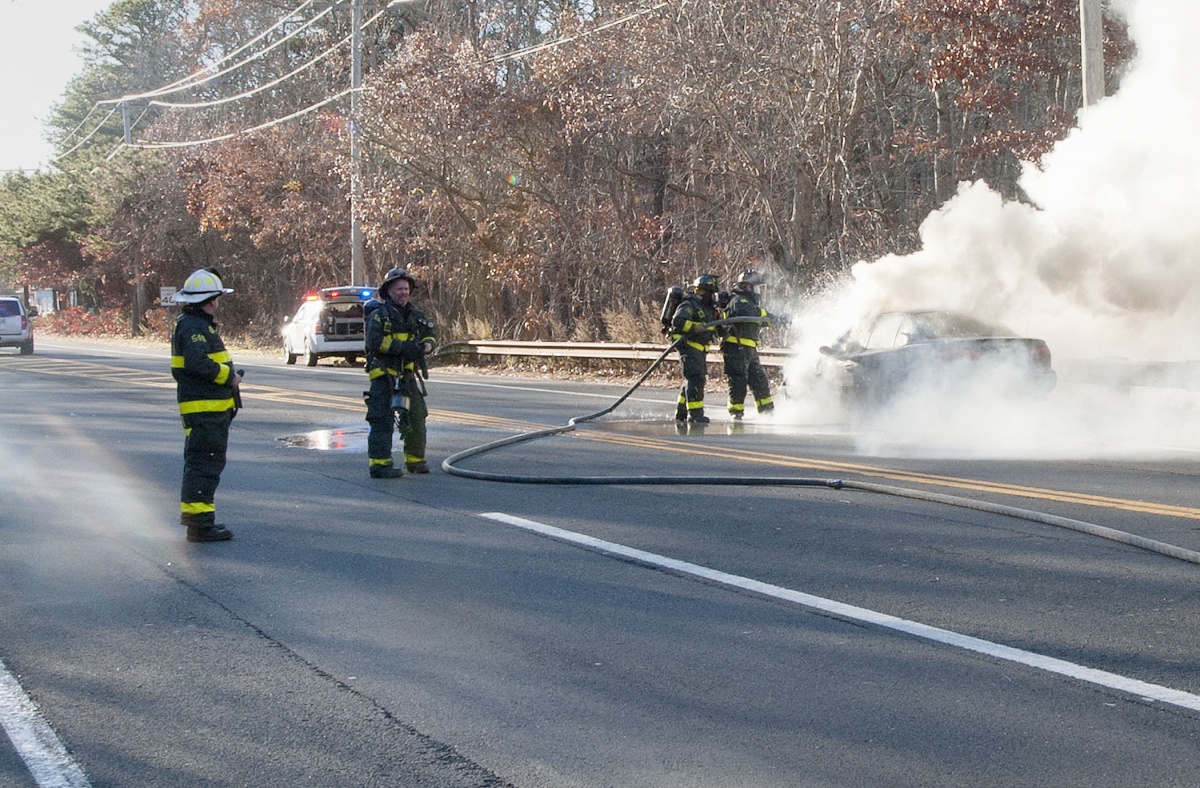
(697, 416)
(420, 466)
(385, 472)
(213, 532)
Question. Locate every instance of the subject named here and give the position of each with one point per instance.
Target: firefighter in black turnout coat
(740, 348)
(697, 309)
(398, 337)
(207, 392)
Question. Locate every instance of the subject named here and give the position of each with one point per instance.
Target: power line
(190, 82)
(169, 89)
(260, 88)
(161, 91)
(530, 50)
(83, 141)
(514, 54)
(232, 134)
(268, 124)
(279, 23)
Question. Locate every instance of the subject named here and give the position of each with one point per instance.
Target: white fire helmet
(199, 287)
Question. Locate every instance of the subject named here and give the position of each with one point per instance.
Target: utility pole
(1091, 26)
(135, 310)
(357, 277)
(125, 121)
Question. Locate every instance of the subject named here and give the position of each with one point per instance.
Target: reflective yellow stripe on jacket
(221, 357)
(384, 345)
(703, 348)
(208, 405)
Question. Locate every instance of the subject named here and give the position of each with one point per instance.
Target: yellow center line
(976, 485)
(51, 366)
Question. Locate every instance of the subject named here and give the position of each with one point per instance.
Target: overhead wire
(267, 86)
(278, 23)
(535, 48)
(191, 81)
(232, 134)
(164, 90)
(268, 124)
(83, 141)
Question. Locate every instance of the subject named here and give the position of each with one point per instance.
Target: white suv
(328, 323)
(16, 330)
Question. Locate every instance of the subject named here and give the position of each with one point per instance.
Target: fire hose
(449, 465)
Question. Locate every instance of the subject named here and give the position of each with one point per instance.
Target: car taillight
(318, 329)
(24, 322)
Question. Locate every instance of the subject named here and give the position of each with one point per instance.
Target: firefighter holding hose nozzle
(740, 347)
(689, 323)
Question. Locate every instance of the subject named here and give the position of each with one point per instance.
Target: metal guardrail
(1119, 373)
(770, 357)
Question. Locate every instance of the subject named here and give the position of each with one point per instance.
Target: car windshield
(951, 325)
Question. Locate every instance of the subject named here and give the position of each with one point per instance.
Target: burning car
(898, 353)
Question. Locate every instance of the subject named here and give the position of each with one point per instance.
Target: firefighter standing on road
(398, 337)
(740, 348)
(697, 309)
(207, 391)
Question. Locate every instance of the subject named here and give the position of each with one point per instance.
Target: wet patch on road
(338, 439)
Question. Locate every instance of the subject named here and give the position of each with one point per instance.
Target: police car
(328, 323)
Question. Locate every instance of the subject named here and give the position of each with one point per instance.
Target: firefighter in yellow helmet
(206, 388)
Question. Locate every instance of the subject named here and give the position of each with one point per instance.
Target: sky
(37, 58)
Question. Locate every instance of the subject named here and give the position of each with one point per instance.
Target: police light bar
(340, 292)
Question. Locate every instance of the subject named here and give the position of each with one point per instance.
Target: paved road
(448, 632)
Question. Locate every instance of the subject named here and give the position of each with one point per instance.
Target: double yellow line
(838, 469)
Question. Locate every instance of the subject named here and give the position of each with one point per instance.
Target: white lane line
(35, 741)
(1142, 689)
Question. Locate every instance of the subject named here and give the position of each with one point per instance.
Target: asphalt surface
(395, 632)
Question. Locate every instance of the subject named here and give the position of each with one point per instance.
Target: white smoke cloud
(1104, 263)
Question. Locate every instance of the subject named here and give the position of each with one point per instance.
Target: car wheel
(310, 356)
(27, 348)
(289, 356)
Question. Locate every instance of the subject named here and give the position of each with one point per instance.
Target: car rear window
(344, 310)
(935, 325)
(9, 308)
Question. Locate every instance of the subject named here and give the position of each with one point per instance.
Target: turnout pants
(743, 369)
(205, 443)
(691, 394)
(382, 422)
